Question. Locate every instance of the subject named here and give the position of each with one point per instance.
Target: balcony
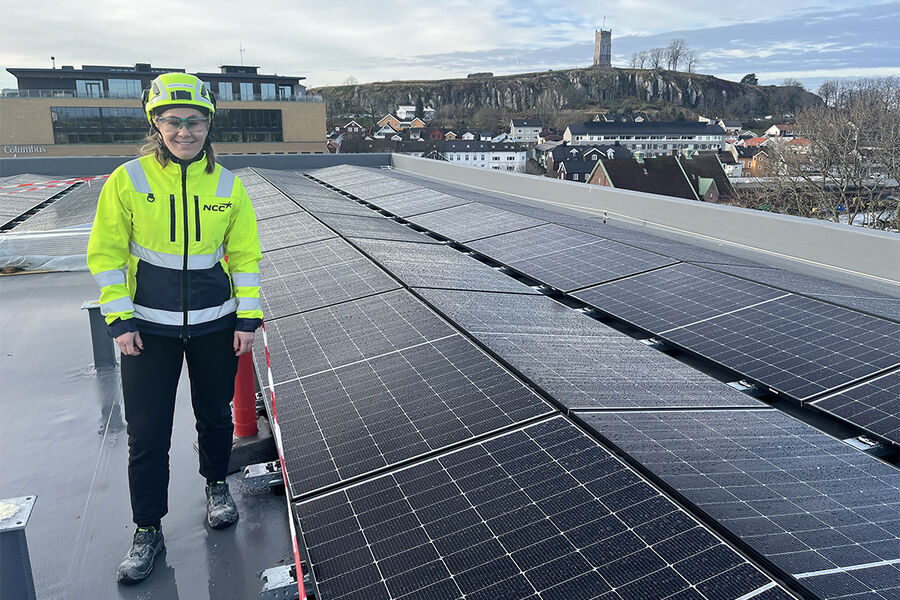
(9, 93)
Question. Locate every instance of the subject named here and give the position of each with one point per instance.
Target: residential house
(706, 175)
(408, 113)
(450, 135)
(351, 129)
(400, 124)
(651, 138)
(525, 130)
(473, 153)
(385, 131)
(565, 152)
(657, 175)
(754, 142)
(434, 134)
(575, 170)
(469, 136)
(731, 127)
(783, 130)
(542, 151)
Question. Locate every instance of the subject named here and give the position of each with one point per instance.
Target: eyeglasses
(174, 124)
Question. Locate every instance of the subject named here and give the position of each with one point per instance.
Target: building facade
(96, 111)
(649, 138)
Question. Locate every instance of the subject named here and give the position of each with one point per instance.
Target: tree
(655, 57)
(674, 53)
(351, 80)
(851, 158)
(791, 82)
(750, 79)
(639, 59)
(690, 60)
(420, 108)
(828, 91)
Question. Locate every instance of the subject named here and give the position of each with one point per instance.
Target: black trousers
(149, 382)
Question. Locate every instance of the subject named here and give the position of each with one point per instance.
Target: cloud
(405, 39)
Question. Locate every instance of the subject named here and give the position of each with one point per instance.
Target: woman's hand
(243, 342)
(130, 343)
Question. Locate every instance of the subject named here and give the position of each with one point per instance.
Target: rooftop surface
(465, 410)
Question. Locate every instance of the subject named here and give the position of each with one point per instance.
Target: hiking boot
(220, 509)
(137, 564)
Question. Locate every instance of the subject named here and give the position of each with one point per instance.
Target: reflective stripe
(226, 184)
(195, 317)
(248, 304)
(245, 279)
(118, 305)
(176, 261)
(138, 178)
(105, 278)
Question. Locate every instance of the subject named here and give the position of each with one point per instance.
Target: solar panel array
(375, 227)
(76, 208)
(873, 405)
(17, 198)
(420, 467)
(541, 512)
(823, 512)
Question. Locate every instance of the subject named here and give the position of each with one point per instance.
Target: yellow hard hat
(178, 89)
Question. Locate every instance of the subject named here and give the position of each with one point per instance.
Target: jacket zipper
(185, 279)
(197, 216)
(172, 217)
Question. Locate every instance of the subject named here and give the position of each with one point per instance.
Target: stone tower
(603, 48)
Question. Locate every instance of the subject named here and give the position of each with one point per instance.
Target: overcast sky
(327, 42)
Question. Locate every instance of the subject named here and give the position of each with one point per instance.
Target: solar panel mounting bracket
(870, 446)
(264, 475)
(747, 387)
(280, 583)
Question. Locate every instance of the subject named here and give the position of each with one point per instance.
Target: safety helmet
(178, 89)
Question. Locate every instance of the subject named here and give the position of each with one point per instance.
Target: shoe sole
(222, 524)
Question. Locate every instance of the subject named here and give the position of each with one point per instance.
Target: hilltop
(564, 94)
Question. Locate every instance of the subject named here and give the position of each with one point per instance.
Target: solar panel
(882, 305)
(666, 247)
(373, 188)
(77, 207)
(795, 345)
(374, 226)
(531, 243)
(873, 405)
(315, 275)
(472, 221)
(368, 415)
(415, 202)
(675, 296)
(577, 360)
(290, 230)
(489, 312)
(438, 266)
(541, 512)
(330, 337)
(589, 264)
(802, 499)
(16, 199)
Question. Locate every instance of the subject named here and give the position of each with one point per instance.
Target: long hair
(153, 144)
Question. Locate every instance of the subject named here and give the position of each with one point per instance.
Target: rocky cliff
(552, 91)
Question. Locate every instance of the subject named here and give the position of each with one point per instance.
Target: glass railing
(75, 94)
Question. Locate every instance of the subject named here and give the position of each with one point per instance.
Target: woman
(165, 224)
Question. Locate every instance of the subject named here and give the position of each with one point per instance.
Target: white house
(406, 113)
(525, 130)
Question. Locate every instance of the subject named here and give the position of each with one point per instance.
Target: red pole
(244, 398)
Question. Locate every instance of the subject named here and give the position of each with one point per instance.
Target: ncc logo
(217, 207)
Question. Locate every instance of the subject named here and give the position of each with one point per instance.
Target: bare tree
(639, 59)
(634, 60)
(674, 53)
(828, 91)
(655, 57)
(847, 163)
(351, 80)
(690, 60)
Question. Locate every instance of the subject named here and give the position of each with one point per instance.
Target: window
(226, 91)
(246, 91)
(284, 92)
(267, 91)
(247, 125)
(94, 125)
(124, 88)
(86, 88)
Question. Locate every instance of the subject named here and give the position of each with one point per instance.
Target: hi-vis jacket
(157, 250)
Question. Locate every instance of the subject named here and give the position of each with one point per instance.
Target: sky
(329, 42)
